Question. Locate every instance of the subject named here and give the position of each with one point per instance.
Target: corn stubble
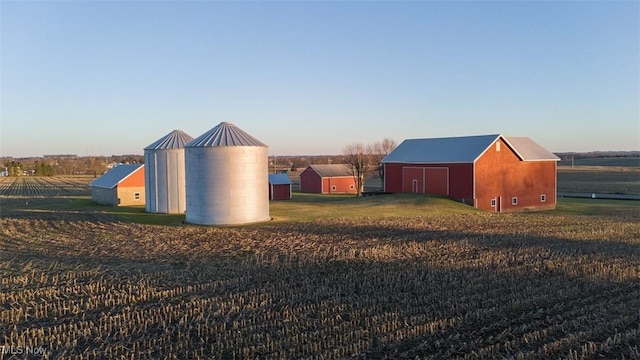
(528, 286)
(44, 186)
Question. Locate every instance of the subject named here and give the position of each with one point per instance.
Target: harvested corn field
(45, 186)
(83, 285)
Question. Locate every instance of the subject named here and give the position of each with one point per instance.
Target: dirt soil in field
(82, 284)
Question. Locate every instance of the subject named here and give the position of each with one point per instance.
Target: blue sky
(102, 78)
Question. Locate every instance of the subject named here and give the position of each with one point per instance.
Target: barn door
(499, 204)
(413, 179)
(437, 181)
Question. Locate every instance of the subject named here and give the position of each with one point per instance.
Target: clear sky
(102, 78)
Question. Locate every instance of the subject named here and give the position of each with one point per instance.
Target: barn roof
(225, 134)
(331, 170)
(115, 176)
(279, 179)
(529, 150)
(464, 149)
(176, 139)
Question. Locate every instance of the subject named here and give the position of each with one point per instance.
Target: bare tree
(357, 157)
(380, 150)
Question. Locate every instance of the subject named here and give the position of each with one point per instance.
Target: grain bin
(165, 174)
(226, 178)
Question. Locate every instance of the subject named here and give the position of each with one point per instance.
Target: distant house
(327, 179)
(491, 172)
(279, 187)
(122, 185)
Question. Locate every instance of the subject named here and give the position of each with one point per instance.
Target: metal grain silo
(226, 178)
(165, 175)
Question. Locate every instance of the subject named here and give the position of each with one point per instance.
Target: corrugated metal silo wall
(227, 185)
(150, 181)
(165, 184)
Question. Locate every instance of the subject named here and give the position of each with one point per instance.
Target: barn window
(498, 146)
(351, 187)
(136, 196)
(543, 198)
(493, 202)
(333, 188)
(514, 201)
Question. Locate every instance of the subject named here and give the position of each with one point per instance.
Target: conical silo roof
(177, 139)
(225, 134)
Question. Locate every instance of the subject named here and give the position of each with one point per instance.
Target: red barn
(279, 187)
(328, 179)
(492, 172)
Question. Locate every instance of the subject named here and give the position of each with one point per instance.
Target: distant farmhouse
(279, 187)
(491, 172)
(123, 185)
(327, 179)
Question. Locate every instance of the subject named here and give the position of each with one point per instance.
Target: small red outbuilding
(327, 179)
(491, 172)
(279, 187)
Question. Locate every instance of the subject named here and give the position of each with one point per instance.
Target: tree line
(361, 159)
(64, 165)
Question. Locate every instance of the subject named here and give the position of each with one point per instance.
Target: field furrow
(82, 283)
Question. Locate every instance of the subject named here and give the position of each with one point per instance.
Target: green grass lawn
(304, 206)
(607, 180)
(135, 214)
(577, 206)
(308, 207)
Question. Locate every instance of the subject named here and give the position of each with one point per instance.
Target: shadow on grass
(311, 207)
(81, 207)
(597, 207)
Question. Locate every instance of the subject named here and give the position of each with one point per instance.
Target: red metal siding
(339, 185)
(500, 175)
(393, 178)
(456, 180)
(437, 180)
(413, 179)
(310, 181)
(136, 179)
(280, 192)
